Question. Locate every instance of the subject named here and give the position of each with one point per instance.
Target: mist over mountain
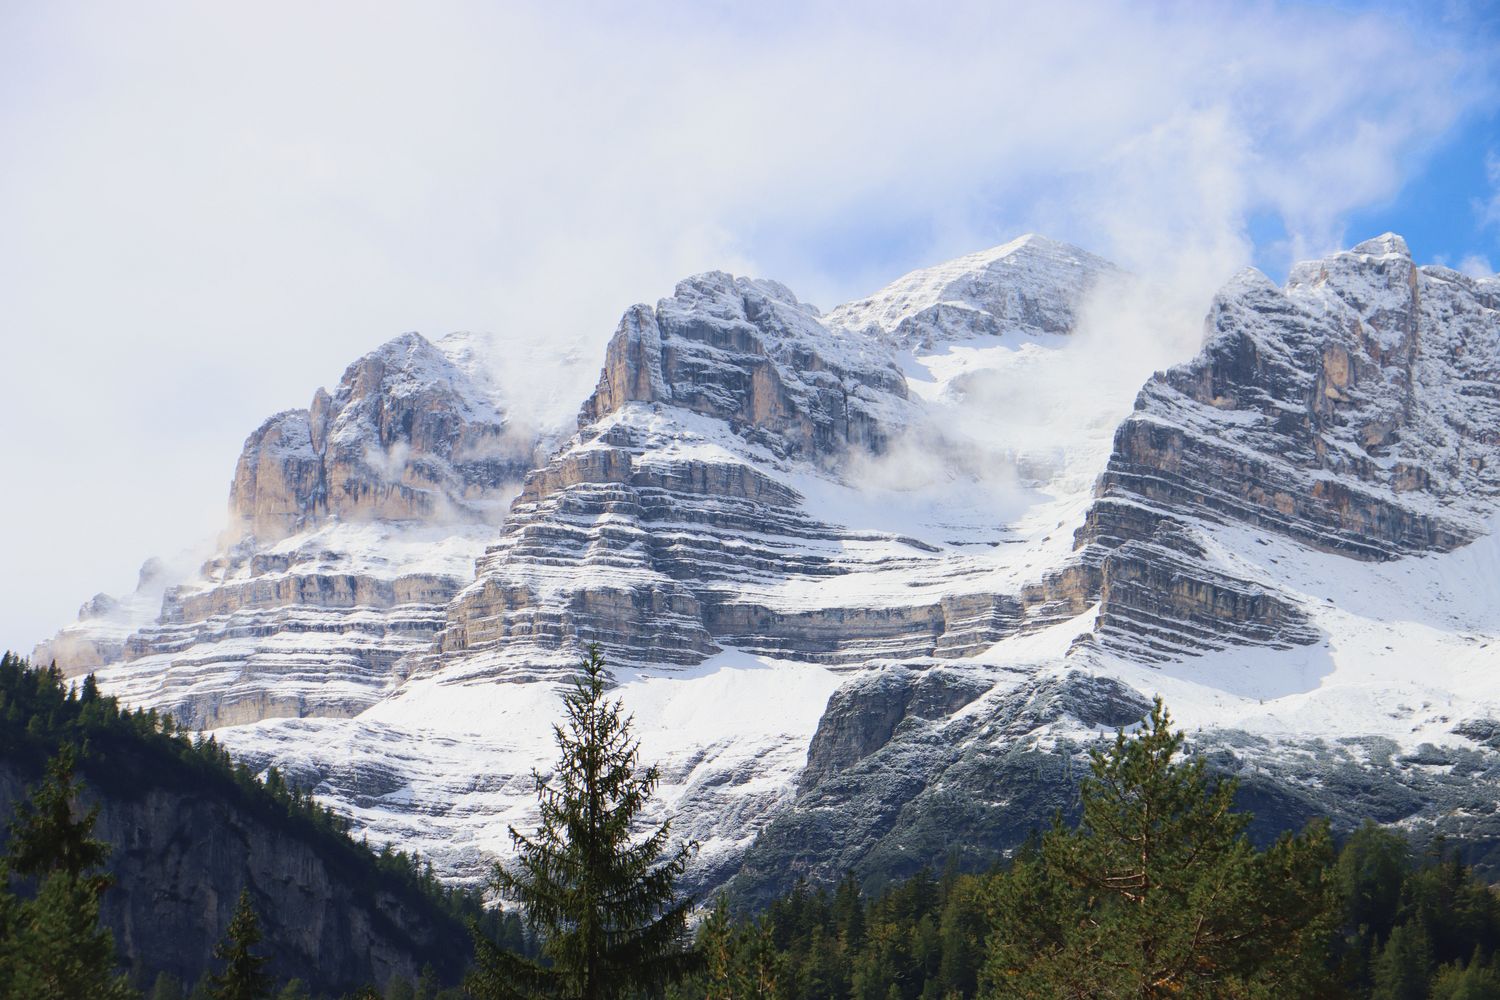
(872, 580)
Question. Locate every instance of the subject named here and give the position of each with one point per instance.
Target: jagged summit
(1029, 286)
(1384, 245)
(748, 353)
(352, 522)
(413, 430)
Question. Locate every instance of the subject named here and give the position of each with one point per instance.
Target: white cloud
(1477, 266)
(1488, 210)
(210, 209)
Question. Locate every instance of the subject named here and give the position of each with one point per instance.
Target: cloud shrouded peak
(210, 209)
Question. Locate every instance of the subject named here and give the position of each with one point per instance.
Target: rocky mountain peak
(754, 524)
(1384, 245)
(409, 433)
(747, 352)
(1029, 286)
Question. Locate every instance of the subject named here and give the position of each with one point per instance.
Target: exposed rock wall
(408, 435)
(352, 524)
(1354, 412)
(758, 495)
(181, 855)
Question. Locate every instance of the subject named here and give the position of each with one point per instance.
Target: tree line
(1155, 891)
(45, 720)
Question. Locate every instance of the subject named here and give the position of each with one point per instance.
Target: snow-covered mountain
(351, 525)
(872, 580)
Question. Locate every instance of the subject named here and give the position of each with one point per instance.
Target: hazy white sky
(208, 210)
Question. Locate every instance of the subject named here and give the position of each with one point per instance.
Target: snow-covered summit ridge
(748, 353)
(352, 522)
(757, 511)
(1031, 285)
(413, 431)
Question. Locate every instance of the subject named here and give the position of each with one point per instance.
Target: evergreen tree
(717, 945)
(1158, 893)
(963, 927)
(167, 986)
(602, 898)
(295, 989)
(52, 946)
(45, 838)
(59, 950)
(243, 977)
(1404, 965)
(849, 912)
(1475, 981)
(400, 988)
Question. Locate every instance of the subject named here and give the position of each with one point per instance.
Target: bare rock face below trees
(180, 856)
(874, 580)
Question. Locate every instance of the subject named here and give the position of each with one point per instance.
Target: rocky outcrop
(352, 524)
(1353, 412)
(1031, 286)
(747, 353)
(1159, 598)
(763, 501)
(707, 510)
(412, 433)
(970, 766)
(638, 534)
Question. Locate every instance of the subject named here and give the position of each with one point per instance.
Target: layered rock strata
(352, 524)
(859, 619)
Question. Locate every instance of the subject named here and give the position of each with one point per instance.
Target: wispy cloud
(1488, 209)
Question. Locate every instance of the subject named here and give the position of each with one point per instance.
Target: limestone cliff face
(859, 611)
(279, 481)
(1343, 412)
(411, 433)
(749, 354)
(709, 511)
(181, 855)
(1345, 420)
(1354, 412)
(637, 534)
(677, 522)
(352, 523)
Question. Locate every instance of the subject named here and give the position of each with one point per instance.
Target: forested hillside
(189, 829)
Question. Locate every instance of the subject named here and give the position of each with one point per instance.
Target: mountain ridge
(863, 562)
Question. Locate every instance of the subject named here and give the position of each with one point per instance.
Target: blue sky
(1447, 204)
(1447, 209)
(212, 209)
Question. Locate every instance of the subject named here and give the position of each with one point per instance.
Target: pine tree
(167, 987)
(52, 946)
(46, 838)
(243, 977)
(295, 990)
(1474, 981)
(602, 898)
(1158, 893)
(1403, 966)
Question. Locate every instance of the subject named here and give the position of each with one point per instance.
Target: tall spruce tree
(46, 837)
(243, 976)
(52, 946)
(1158, 892)
(599, 892)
